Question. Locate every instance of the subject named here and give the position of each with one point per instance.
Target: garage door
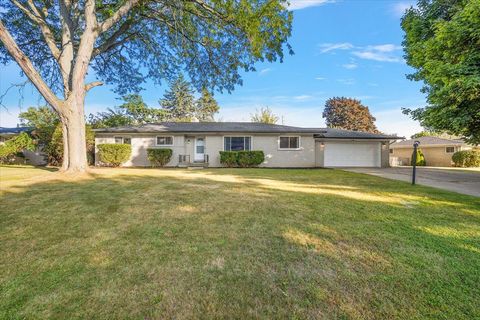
(352, 154)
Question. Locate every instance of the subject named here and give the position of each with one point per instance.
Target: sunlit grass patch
(234, 243)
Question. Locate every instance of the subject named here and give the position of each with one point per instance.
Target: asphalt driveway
(466, 182)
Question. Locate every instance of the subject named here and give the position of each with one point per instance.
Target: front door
(199, 149)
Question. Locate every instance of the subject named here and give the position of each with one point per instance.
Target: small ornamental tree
(159, 157)
(114, 154)
(420, 158)
(127, 42)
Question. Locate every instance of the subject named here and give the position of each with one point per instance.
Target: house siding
(434, 156)
(309, 155)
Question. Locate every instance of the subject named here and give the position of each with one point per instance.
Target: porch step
(193, 165)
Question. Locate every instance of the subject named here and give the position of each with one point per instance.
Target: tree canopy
(126, 42)
(133, 111)
(348, 114)
(264, 115)
(442, 42)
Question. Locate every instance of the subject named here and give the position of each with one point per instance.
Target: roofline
(429, 145)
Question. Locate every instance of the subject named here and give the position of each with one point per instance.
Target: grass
(234, 243)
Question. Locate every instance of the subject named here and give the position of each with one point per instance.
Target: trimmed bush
(247, 159)
(242, 159)
(228, 158)
(466, 158)
(420, 159)
(114, 154)
(159, 157)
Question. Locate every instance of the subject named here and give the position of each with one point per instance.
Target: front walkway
(452, 179)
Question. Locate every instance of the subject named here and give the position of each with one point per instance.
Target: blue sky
(346, 48)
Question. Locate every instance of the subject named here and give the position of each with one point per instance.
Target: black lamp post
(415, 146)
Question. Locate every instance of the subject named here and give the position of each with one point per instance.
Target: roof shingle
(245, 127)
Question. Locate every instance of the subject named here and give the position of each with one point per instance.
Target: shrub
(159, 157)
(420, 159)
(242, 159)
(114, 154)
(228, 158)
(250, 158)
(14, 147)
(466, 158)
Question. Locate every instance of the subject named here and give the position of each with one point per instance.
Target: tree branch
(28, 68)
(93, 84)
(119, 14)
(38, 18)
(112, 40)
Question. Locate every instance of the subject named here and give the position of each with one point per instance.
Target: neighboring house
(437, 151)
(284, 146)
(36, 158)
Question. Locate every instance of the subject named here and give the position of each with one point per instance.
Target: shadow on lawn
(231, 243)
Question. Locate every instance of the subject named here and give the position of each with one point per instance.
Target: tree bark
(65, 161)
(75, 149)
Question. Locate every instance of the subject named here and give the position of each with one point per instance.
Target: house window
(165, 141)
(123, 140)
(237, 143)
(450, 149)
(289, 142)
(391, 151)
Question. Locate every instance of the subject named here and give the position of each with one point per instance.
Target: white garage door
(352, 154)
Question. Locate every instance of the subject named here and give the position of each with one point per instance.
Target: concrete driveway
(466, 182)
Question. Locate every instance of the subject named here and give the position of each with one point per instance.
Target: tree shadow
(237, 243)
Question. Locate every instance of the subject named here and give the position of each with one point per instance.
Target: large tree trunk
(65, 147)
(75, 149)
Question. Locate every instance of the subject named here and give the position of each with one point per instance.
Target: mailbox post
(414, 172)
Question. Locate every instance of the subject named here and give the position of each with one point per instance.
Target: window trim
(449, 152)
(289, 149)
(164, 145)
(238, 136)
(123, 139)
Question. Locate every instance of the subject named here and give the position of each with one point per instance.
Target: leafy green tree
(47, 132)
(179, 101)
(264, 115)
(348, 114)
(206, 106)
(14, 146)
(127, 42)
(442, 42)
(133, 111)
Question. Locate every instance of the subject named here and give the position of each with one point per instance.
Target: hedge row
(242, 159)
(466, 158)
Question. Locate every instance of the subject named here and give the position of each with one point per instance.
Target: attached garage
(352, 154)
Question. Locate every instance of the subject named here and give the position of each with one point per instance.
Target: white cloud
(399, 8)
(327, 47)
(380, 52)
(302, 4)
(320, 78)
(350, 65)
(264, 71)
(383, 53)
(303, 97)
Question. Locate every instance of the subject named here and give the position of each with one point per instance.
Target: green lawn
(234, 243)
